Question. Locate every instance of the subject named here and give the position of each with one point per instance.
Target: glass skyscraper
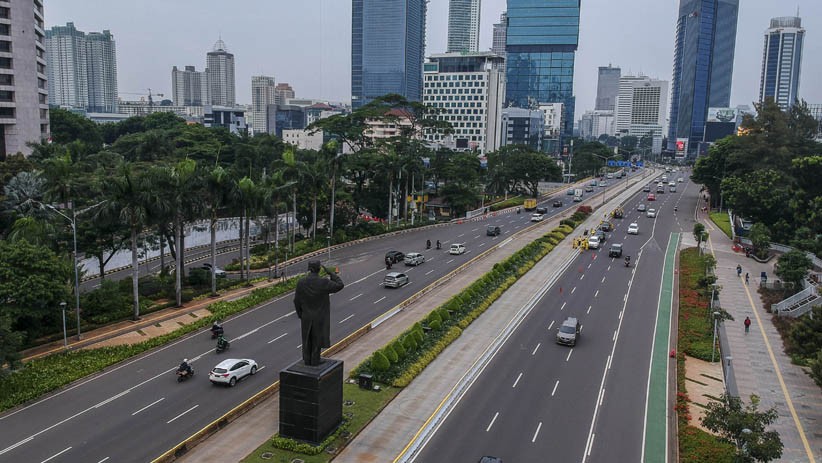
(387, 49)
(703, 67)
(782, 61)
(463, 25)
(541, 40)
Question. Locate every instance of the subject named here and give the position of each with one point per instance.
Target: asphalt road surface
(541, 401)
(136, 410)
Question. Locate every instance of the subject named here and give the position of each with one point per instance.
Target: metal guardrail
(804, 294)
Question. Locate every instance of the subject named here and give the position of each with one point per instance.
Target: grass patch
(695, 445)
(367, 405)
(722, 221)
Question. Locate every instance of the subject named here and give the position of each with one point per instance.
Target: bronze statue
(314, 310)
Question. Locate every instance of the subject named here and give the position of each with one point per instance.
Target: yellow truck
(529, 204)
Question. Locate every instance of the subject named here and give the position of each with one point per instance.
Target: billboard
(722, 114)
(681, 147)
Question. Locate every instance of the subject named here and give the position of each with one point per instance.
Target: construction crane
(150, 99)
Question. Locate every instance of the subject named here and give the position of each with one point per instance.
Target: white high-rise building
(24, 109)
(469, 88)
(220, 70)
(463, 25)
(262, 94)
(189, 87)
(594, 124)
(640, 108)
(782, 61)
(82, 69)
(498, 41)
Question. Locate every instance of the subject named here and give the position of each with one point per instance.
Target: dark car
(606, 226)
(487, 459)
(558, 203)
(601, 234)
(616, 250)
(492, 230)
(542, 210)
(394, 256)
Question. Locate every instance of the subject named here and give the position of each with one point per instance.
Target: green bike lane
(655, 434)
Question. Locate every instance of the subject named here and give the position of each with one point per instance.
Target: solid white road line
(569, 355)
(56, 455)
(535, 348)
(536, 433)
(452, 260)
(112, 398)
(555, 388)
(380, 299)
(596, 293)
(181, 414)
(149, 405)
(517, 380)
(603, 280)
(358, 295)
(492, 422)
(277, 338)
(346, 319)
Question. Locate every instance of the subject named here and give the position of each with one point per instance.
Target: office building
(82, 69)
(189, 87)
(703, 68)
(463, 25)
(541, 41)
(262, 95)
(523, 127)
(498, 41)
(387, 49)
(595, 124)
(782, 61)
(607, 88)
(220, 70)
(24, 110)
(283, 92)
(232, 118)
(816, 112)
(640, 109)
(469, 89)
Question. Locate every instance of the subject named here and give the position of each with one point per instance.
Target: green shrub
(444, 315)
(432, 317)
(553, 241)
(435, 325)
(415, 368)
(419, 336)
(816, 368)
(399, 349)
(379, 361)
(390, 353)
(409, 342)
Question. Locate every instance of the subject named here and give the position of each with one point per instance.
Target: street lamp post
(65, 336)
(73, 221)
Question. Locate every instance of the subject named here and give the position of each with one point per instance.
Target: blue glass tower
(703, 66)
(387, 49)
(541, 40)
(782, 61)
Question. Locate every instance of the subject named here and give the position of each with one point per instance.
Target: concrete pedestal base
(311, 400)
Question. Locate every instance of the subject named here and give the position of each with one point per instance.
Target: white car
(680, 180)
(456, 249)
(229, 371)
(633, 229)
(651, 213)
(536, 217)
(414, 258)
(593, 242)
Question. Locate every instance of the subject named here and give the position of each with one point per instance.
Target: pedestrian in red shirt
(747, 324)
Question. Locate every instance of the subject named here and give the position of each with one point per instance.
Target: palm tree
(248, 195)
(126, 194)
(217, 192)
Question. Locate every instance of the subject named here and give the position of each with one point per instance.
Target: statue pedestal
(311, 400)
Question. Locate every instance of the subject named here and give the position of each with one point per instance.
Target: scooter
(183, 375)
(222, 346)
(216, 331)
(627, 262)
(439, 246)
(428, 244)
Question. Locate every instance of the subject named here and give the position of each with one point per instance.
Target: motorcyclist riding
(387, 263)
(222, 343)
(627, 261)
(518, 211)
(439, 245)
(185, 367)
(216, 329)
(427, 244)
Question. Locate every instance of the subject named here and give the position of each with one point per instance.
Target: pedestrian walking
(747, 275)
(747, 325)
(738, 270)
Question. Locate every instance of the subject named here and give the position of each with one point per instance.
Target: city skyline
(321, 67)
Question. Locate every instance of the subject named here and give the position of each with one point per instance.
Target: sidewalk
(760, 365)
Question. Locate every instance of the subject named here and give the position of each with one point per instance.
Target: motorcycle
(428, 244)
(388, 265)
(627, 261)
(439, 245)
(221, 346)
(216, 331)
(183, 375)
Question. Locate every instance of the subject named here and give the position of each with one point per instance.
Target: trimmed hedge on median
(49, 373)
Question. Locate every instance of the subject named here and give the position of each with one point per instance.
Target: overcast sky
(308, 43)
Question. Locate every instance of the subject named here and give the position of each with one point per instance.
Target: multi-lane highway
(136, 410)
(540, 401)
